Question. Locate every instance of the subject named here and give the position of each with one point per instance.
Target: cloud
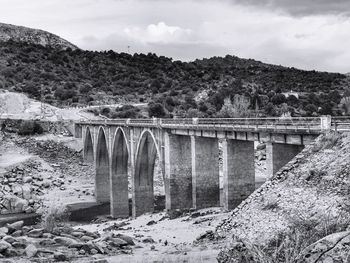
(159, 33)
(301, 7)
(308, 34)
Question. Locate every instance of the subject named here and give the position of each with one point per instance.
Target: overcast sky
(308, 34)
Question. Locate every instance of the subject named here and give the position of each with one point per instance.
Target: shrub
(53, 217)
(156, 110)
(326, 141)
(30, 128)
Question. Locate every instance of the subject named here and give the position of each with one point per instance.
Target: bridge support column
(278, 155)
(178, 171)
(205, 172)
(238, 171)
(78, 131)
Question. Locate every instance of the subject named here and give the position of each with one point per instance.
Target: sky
(306, 34)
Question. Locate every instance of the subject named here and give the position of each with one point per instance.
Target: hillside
(306, 201)
(33, 36)
(193, 89)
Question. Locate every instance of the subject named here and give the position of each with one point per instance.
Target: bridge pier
(143, 177)
(178, 171)
(205, 172)
(119, 178)
(102, 178)
(238, 171)
(278, 155)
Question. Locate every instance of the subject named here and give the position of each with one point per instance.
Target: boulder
(58, 256)
(36, 233)
(86, 238)
(148, 240)
(31, 251)
(9, 239)
(126, 238)
(4, 246)
(65, 241)
(15, 226)
(27, 179)
(117, 242)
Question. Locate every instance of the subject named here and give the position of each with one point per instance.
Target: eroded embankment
(305, 201)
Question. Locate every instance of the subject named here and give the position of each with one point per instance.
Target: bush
(53, 217)
(326, 141)
(156, 110)
(30, 128)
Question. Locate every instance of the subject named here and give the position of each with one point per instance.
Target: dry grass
(53, 217)
(289, 247)
(327, 141)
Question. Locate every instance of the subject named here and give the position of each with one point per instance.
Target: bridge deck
(309, 125)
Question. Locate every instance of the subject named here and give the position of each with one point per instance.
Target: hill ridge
(34, 36)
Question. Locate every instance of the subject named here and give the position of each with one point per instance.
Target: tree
(156, 110)
(239, 107)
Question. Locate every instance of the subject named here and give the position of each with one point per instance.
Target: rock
(148, 240)
(4, 230)
(17, 233)
(153, 247)
(86, 238)
(15, 226)
(11, 252)
(36, 233)
(93, 251)
(77, 234)
(4, 246)
(58, 256)
(261, 146)
(46, 242)
(20, 205)
(27, 179)
(99, 261)
(332, 248)
(65, 241)
(152, 222)
(126, 238)
(31, 251)
(117, 242)
(46, 184)
(19, 245)
(9, 239)
(47, 235)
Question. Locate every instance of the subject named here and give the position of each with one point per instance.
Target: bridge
(187, 151)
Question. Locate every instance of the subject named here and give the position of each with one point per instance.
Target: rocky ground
(36, 172)
(310, 195)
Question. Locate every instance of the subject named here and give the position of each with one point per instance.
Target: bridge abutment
(278, 155)
(178, 171)
(205, 172)
(238, 171)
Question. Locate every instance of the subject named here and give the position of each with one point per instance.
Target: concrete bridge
(187, 151)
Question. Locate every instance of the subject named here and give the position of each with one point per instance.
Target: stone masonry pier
(187, 151)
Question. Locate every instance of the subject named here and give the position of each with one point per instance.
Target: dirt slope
(312, 191)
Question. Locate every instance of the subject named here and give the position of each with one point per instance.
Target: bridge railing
(307, 124)
(341, 123)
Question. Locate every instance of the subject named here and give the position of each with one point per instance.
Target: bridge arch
(88, 146)
(102, 180)
(119, 175)
(146, 155)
